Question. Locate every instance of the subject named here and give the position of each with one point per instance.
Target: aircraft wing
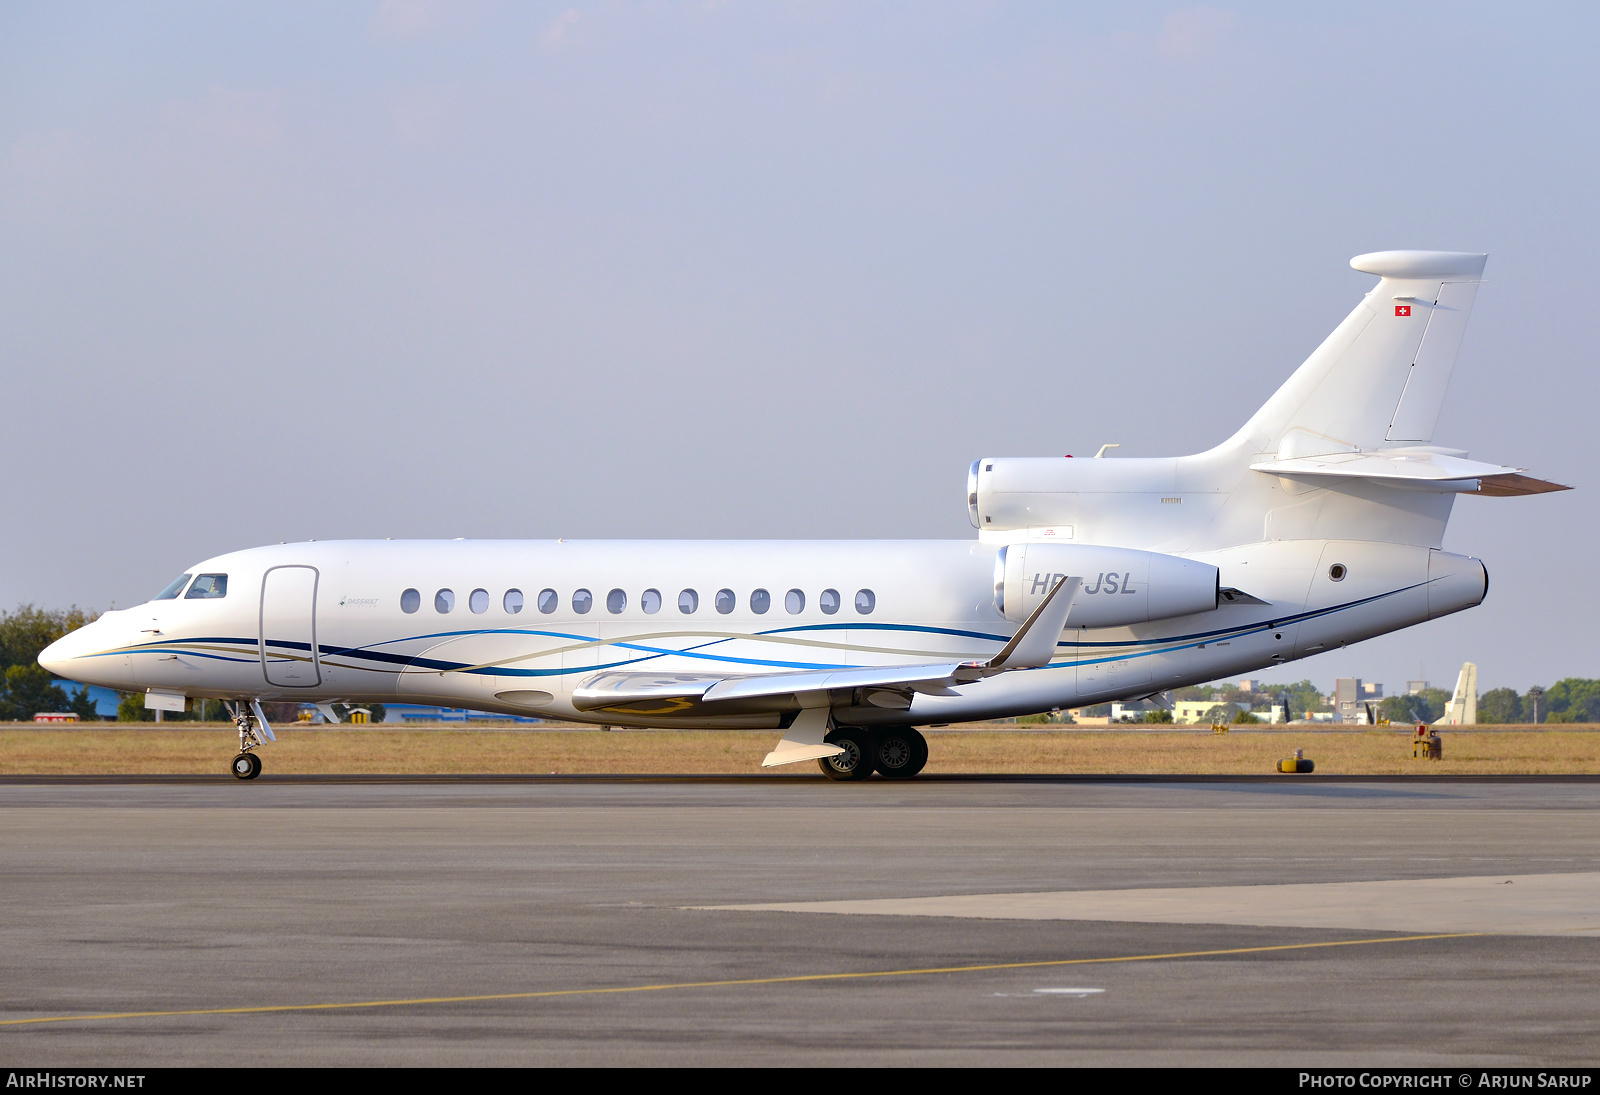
(1031, 647)
(633, 690)
(1416, 468)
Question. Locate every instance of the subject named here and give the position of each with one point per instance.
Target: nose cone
(57, 657)
(85, 655)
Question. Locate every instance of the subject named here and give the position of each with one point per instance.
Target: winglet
(1034, 644)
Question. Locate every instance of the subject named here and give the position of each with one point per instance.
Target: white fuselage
(328, 621)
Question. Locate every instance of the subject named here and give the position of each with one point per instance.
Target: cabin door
(289, 627)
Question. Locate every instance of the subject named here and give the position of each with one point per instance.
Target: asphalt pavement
(587, 921)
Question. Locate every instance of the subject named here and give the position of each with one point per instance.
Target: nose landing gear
(252, 726)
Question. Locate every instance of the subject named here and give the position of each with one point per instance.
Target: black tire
(901, 753)
(255, 766)
(856, 762)
(246, 766)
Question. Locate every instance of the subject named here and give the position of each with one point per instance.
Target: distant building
(419, 713)
(1347, 700)
(1371, 691)
(56, 716)
(1193, 710)
(1250, 684)
(1414, 688)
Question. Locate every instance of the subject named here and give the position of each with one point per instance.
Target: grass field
(125, 750)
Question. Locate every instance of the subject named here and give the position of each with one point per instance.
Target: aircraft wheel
(901, 753)
(246, 766)
(856, 762)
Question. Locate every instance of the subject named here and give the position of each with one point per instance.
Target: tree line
(28, 688)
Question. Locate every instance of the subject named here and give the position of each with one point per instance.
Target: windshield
(172, 591)
(208, 585)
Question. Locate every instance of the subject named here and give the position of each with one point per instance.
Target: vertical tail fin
(1463, 707)
(1381, 376)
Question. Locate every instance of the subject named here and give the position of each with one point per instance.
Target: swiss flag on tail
(1402, 309)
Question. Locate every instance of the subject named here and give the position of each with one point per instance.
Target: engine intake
(1120, 586)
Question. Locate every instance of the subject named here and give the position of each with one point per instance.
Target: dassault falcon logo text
(358, 602)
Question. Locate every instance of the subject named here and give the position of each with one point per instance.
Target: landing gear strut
(246, 765)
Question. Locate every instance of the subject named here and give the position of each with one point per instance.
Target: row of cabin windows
(725, 601)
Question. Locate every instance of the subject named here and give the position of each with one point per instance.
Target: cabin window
(208, 587)
(444, 601)
(828, 601)
(410, 601)
(650, 601)
(479, 601)
(582, 601)
(794, 602)
(866, 601)
(616, 601)
(760, 601)
(725, 601)
(172, 591)
(549, 601)
(512, 601)
(688, 601)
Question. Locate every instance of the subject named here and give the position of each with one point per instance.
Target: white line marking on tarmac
(1528, 904)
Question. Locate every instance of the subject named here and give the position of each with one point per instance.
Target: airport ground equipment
(1297, 764)
(1426, 743)
(1317, 524)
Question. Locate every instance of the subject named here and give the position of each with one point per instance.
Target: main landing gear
(894, 754)
(246, 765)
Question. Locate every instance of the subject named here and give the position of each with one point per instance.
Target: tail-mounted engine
(1120, 586)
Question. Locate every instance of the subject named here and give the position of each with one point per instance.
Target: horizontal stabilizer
(1415, 469)
(1516, 485)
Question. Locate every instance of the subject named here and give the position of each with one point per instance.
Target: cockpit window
(208, 586)
(172, 591)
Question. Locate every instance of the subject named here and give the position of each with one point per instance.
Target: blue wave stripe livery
(368, 652)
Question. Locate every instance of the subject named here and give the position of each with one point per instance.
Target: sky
(271, 272)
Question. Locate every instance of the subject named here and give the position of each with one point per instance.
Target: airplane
(1462, 710)
(1317, 524)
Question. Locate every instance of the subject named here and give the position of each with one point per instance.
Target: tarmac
(1298, 922)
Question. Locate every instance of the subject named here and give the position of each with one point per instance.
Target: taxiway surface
(592, 920)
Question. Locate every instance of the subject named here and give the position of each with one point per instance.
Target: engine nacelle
(1120, 586)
